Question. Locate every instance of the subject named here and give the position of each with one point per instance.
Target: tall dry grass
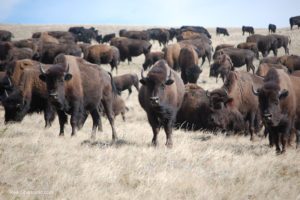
(37, 164)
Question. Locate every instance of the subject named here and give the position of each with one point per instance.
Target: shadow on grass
(202, 138)
(105, 144)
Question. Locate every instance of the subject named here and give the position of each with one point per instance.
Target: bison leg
(297, 138)
(251, 125)
(203, 60)
(155, 127)
(49, 115)
(276, 137)
(123, 116)
(168, 130)
(62, 118)
(96, 118)
(107, 104)
(100, 128)
(286, 49)
(129, 91)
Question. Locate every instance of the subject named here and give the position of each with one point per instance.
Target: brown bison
(236, 93)
(223, 46)
(188, 62)
(48, 51)
(5, 35)
(161, 96)
(171, 53)
(292, 62)
(139, 35)
(103, 54)
(264, 68)
(75, 87)
(283, 41)
(130, 47)
(29, 93)
(62, 36)
(270, 60)
(251, 46)
(238, 58)
(279, 106)
(125, 82)
(151, 58)
(265, 43)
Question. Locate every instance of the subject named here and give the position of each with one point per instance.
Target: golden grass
(37, 164)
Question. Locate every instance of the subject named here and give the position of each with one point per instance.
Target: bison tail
(113, 85)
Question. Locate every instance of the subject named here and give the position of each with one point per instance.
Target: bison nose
(267, 116)
(53, 95)
(154, 100)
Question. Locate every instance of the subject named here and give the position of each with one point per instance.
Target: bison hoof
(61, 134)
(154, 143)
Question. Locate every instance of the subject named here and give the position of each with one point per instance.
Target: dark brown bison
(188, 62)
(119, 107)
(251, 46)
(272, 28)
(236, 93)
(283, 41)
(292, 62)
(27, 43)
(139, 35)
(76, 87)
(161, 96)
(264, 68)
(108, 37)
(62, 36)
(265, 43)
(130, 47)
(223, 46)
(160, 34)
(248, 29)
(5, 35)
(85, 35)
(279, 99)
(48, 51)
(103, 54)
(198, 29)
(29, 94)
(125, 82)
(151, 58)
(220, 31)
(238, 58)
(295, 21)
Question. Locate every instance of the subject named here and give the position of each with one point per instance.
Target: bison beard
(191, 75)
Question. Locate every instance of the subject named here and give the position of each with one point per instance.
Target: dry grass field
(37, 164)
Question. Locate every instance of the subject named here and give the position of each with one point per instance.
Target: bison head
(219, 98)
(270, 97)
(222, 66)
(55, 79)
(156, 82)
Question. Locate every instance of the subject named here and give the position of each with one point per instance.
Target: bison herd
(59, 73)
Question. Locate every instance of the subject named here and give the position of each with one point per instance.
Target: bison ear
(68, 77)
(283, 93)
(169, 82)
(42, 77)
(143, 81)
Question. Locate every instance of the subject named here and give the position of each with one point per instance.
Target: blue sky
(208, 13)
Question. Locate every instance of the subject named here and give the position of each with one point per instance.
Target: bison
(295, 21)
(279, 106)
(75, 87)
(5, 35)
(264, 43)
(283, 41)
(264, 68)
(223, 46)
(159, 34)
(161, 96)
(103, 54)
(248, 29)
(251, 46)
(125, 82)
(220, 31)
(151, 58)
(188, 62)
(292, 62)
(236, 93)
(272, 28)
(108, 37)
(130, 47)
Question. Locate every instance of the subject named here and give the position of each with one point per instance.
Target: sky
(207, 13)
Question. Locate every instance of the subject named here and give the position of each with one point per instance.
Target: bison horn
(9, 82)
(68, 68)
(255, 92)
(5, 92)
(169, 77)
(142, 74)
(207, 93)
(42, 69)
